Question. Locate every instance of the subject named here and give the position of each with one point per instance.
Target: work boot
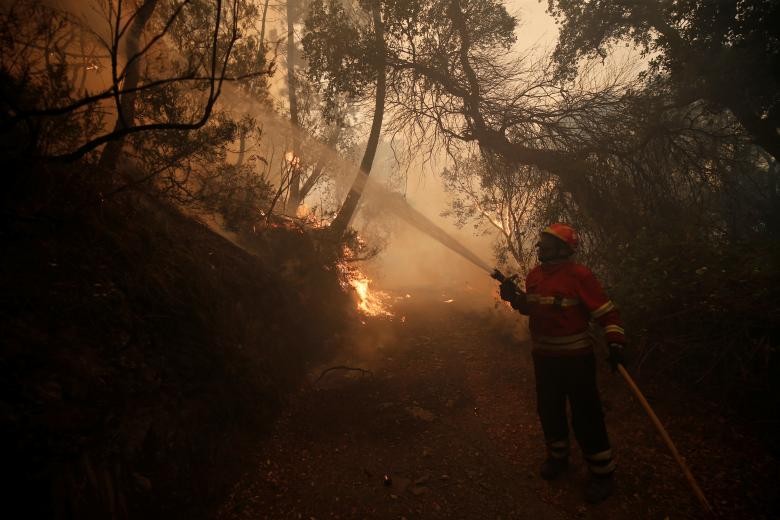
(599, 488)
(552, 468)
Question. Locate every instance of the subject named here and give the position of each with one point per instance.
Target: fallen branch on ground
(344, 367)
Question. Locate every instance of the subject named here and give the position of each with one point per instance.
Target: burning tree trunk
(347, 210)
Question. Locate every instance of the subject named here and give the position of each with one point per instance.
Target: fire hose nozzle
(501, 277)
(497, 275)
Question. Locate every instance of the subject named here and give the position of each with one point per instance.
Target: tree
(37, 60)
(463, 85)
(725, 53)
(157, 106)
(588, 134)
(328, 56)
(125, 103)
(323, 138)
(414, 46)
(295, 198)
(453, 78)
(488, 194)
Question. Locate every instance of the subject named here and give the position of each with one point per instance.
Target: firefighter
(561, 299)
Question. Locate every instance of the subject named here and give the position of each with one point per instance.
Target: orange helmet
(563, 232)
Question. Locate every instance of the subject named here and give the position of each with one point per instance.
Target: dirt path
(448, 414)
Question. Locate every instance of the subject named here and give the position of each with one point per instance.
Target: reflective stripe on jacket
(561, 300)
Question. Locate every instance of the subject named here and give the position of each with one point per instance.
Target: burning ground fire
(370, 302)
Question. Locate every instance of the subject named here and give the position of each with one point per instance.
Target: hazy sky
(536, 27)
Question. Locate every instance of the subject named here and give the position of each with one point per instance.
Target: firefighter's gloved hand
(508, 290)
(615, 355)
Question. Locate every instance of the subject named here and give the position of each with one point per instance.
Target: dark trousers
(572, 378)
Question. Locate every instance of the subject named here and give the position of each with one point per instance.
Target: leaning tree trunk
(569, 169)
(126, 105)
(345, 214)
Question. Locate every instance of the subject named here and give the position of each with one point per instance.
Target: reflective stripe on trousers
(558, 449)
(601, 463)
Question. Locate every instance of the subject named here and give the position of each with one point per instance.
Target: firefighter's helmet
(564, 232)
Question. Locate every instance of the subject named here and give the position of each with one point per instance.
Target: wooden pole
(668, 440)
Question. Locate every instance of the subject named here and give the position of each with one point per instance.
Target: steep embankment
(141, 352)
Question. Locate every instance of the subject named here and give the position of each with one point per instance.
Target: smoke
(413, 256)
(424, 252)
(418, 248)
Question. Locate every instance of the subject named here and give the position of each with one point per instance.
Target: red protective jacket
(561, 300)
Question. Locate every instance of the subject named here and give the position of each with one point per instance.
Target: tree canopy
(726, 53)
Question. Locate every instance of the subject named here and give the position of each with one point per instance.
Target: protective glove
(615, 355)
(508, 290)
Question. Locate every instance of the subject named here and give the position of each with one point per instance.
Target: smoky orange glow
(372, 303)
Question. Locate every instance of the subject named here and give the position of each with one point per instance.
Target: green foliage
(680, 31)
(419, 35)
(48, 112)
(727, 53)
(678, 213)
(30, 79)
(192, 32)
(339, 52)
(703, 309)
(193, 168)
(496, 197)
(64, 82)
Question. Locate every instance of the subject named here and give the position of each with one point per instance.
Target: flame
(371, 303)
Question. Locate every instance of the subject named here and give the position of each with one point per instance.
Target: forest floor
(447, 412)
